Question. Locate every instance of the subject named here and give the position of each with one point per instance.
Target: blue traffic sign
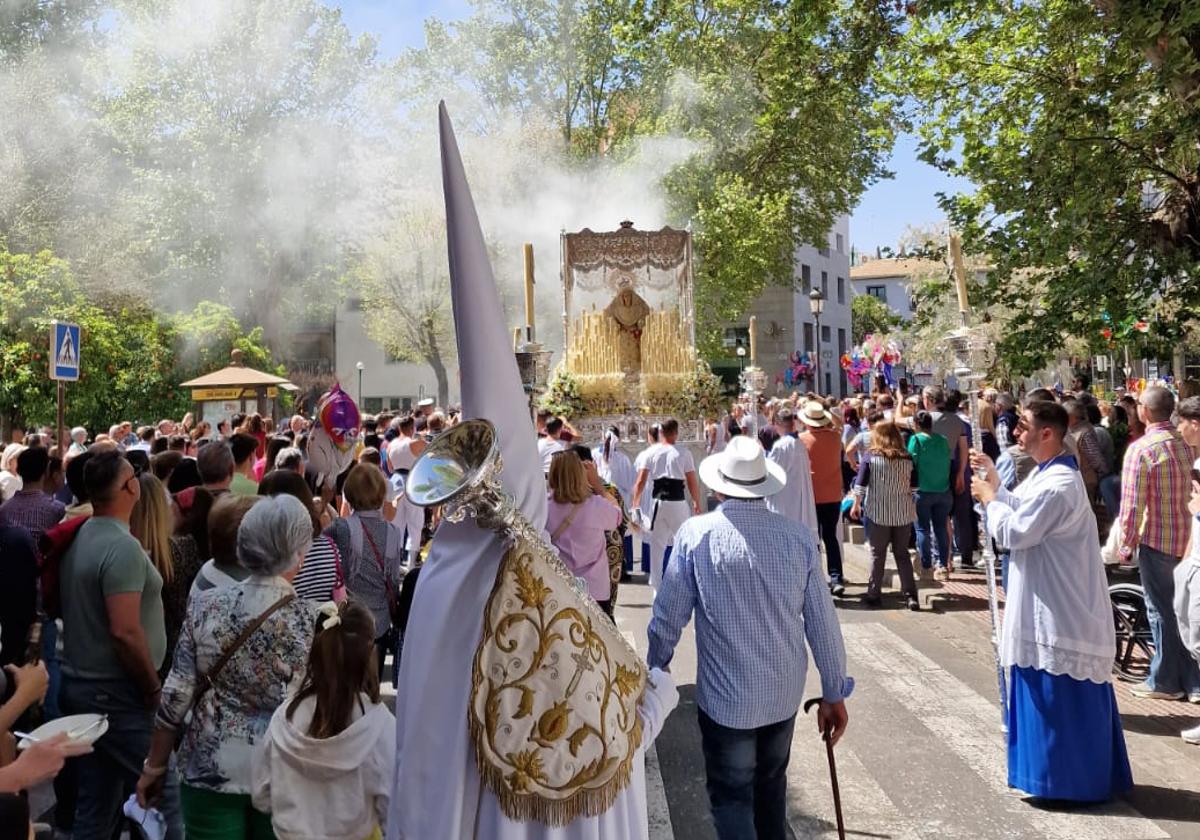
(64, 350)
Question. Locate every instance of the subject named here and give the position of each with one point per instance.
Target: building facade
(786, 323)
(330, 351)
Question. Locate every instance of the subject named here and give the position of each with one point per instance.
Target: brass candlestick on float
(533, 363)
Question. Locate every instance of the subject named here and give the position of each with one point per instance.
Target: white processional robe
(1057, 615)
(442, 795)
(795, 500)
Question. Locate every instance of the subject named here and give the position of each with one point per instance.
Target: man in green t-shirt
(244, 447)
(114, 643)
(932, 461)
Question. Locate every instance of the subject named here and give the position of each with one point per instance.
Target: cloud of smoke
(238, 149)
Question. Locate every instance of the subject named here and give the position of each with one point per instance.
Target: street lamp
(816, 302)
(360, 367)
(741, 354)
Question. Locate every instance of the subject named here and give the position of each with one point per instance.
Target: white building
(891, 280)
(786, 323)
(387, 384)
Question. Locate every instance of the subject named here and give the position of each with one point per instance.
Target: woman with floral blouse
(231, 717)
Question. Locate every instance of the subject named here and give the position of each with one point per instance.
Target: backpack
(51, 548)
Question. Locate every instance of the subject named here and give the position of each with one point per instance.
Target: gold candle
(960, 272)
(529, 284)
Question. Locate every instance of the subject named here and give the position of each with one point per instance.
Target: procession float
(629, 335)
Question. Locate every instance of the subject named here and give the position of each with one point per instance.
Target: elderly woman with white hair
(10, 482)
(240, 652)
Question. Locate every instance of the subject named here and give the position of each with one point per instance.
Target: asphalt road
(924, 753)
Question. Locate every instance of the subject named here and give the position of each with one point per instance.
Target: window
(354, 304)
(808, 338)
(841, 290)
(841, 342)
(373, 405)
(735, 336)
(406, 403)
(825, 284)
(912, 303)
(806, 278)
(828, 386)
(841, 244)
(394, 403)
(826, 335)
(878, 292)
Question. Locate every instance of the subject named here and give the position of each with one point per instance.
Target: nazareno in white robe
(795, 500)
(438, 793)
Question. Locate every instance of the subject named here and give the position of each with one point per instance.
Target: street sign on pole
(64, 351)
(64, 367)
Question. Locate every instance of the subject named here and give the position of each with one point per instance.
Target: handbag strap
(387, 581)
(566, 523)
(208, 679)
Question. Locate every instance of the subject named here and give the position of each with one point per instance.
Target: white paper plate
(71, 723)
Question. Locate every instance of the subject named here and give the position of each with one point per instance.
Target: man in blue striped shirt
(755, 582)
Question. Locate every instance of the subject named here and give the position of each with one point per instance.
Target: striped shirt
(887, 484)
(318, 574)
(755, 582)
(1155, 486)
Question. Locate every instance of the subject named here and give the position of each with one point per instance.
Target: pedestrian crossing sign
(64, 351)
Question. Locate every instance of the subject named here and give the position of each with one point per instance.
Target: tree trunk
(433, 355)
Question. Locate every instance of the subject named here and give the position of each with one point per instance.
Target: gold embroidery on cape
(554, 695)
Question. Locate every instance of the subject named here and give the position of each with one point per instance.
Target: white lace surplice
(1057, 616)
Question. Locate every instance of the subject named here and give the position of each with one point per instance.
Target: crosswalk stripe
(966, 724)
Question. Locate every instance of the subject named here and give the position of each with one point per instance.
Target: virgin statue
(629, 311)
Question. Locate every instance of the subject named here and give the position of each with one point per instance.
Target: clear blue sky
(881, 216)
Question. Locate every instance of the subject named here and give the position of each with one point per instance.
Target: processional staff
(961, 341)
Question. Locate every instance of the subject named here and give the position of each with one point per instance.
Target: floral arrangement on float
(875, 353)
(564, 397)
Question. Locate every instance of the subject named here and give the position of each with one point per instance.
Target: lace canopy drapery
(655, 264)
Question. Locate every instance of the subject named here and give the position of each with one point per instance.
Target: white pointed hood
(437, 788)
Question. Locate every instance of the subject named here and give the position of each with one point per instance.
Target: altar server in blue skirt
(1064, 731)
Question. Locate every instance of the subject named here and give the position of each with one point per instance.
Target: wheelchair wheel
(1135, 644)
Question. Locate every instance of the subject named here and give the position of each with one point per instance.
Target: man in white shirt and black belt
(670, 471)
(402, 453)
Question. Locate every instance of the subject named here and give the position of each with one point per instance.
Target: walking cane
(826, 736)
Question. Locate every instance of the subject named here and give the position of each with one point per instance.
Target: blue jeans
(1110, 492)
(965, 532)
(109, 775)
(1172, 668)
(746, 773)
(53, 668)
(933, 509)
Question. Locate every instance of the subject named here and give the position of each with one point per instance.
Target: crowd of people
(232, 619)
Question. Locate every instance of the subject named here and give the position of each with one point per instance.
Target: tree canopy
(1079, 123)
(871, 316)
(132, 358)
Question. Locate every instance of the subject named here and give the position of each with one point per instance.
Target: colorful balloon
(338, 416)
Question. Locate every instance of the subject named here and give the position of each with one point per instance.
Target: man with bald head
(1154, 521)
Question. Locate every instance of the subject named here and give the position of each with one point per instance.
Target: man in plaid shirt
(1154, 521)
(31, 507)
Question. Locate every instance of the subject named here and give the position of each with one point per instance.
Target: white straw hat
(814, 414)
(742, 471)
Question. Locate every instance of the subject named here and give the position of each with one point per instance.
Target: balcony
(313, 367)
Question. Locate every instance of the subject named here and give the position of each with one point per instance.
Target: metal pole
(360, 386)
(989, 559)
(817, 357)
(62, 446)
